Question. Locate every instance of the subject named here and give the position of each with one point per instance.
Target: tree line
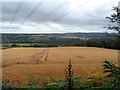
(105, 42)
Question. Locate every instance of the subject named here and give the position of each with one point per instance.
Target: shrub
(96, 79)
(7, 85)
(69, 76)
(57, 84)
(113, 72)
(32, 82)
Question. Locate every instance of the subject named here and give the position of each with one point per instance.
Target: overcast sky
(56, 17)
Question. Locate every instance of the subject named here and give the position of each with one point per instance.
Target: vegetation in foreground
(109, 79)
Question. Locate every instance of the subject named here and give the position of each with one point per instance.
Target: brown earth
(19, 63)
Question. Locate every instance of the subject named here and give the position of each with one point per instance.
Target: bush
(32, 82)
(113, 73)
(96, 79)
(7, 85)
(57, 84)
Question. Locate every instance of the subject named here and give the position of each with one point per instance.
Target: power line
(16, 12)
(30, 14)
(50, 26)
(69, 12)
(51, 13)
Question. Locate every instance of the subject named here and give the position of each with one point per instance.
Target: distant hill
(37, 38)
(102, 40)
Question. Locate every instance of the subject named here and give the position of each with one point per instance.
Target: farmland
(19, 63)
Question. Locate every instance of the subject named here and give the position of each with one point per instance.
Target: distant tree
(14, 45)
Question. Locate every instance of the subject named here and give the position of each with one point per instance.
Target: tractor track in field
(35, 59)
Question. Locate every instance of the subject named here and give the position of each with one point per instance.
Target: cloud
(50, 17)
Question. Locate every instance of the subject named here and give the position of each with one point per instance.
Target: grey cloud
(96, 17)
(43, 10)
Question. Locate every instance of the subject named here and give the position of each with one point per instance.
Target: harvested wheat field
(19, 63)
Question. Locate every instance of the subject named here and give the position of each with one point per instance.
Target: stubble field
(19, 63)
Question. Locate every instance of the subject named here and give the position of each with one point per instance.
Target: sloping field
(19, 63)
